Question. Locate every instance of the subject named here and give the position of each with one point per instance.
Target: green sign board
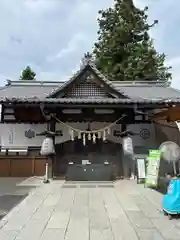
(153, 168)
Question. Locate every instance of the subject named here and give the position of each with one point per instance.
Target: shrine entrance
(100, 161)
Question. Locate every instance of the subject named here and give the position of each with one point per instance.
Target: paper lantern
(127, 146)
(47, 147)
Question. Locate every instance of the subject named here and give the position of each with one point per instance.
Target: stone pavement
(11, 193)
(119, 211)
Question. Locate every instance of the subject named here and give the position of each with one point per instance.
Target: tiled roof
(150, 92)
(89, 100)
(136, 91)
(25, 89)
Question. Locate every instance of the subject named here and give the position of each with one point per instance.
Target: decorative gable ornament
(127, 145)
(47, 147)
(86, 59)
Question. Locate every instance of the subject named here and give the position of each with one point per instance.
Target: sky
(52, 36)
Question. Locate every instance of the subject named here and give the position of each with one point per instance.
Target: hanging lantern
(47, 147)
(94, 138)
(99, 135)
(84, 139)
(79, 135)
(127, 146)
(89, 136)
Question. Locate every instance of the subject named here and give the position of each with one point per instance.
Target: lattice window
(86, 87)
(87, 90)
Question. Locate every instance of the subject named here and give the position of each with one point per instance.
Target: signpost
(153, 168)
(141, 169)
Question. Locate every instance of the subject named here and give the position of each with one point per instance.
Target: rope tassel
(101, 133)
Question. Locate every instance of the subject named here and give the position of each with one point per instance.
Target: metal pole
(46, 179)
(174, 168)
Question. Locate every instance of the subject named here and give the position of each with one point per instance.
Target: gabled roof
(119, 91)
(89, 66)
(144, 90)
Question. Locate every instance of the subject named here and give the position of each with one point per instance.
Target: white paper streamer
(84, 139)
(94, 138)
(79, 135)
(72, 135)
(104, 136)
(99, 135)
(108, 131)
(89, 136)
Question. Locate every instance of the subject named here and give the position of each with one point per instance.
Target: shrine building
(87, 116)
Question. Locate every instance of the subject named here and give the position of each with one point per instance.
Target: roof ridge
(141, 84)
(29, 82)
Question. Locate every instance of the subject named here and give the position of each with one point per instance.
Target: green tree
(28, 74)
(124, 49)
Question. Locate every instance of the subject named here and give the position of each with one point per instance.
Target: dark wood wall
(96, 153)
(22, 166)
(33, 114)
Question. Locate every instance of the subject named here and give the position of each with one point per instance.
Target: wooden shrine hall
(87, 116)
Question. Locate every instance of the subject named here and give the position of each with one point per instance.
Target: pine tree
(124, 49)
(28, 74)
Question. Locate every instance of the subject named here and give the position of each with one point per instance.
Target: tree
(124, 50)
(28, 74)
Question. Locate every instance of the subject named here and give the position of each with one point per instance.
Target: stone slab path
(104, 211)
